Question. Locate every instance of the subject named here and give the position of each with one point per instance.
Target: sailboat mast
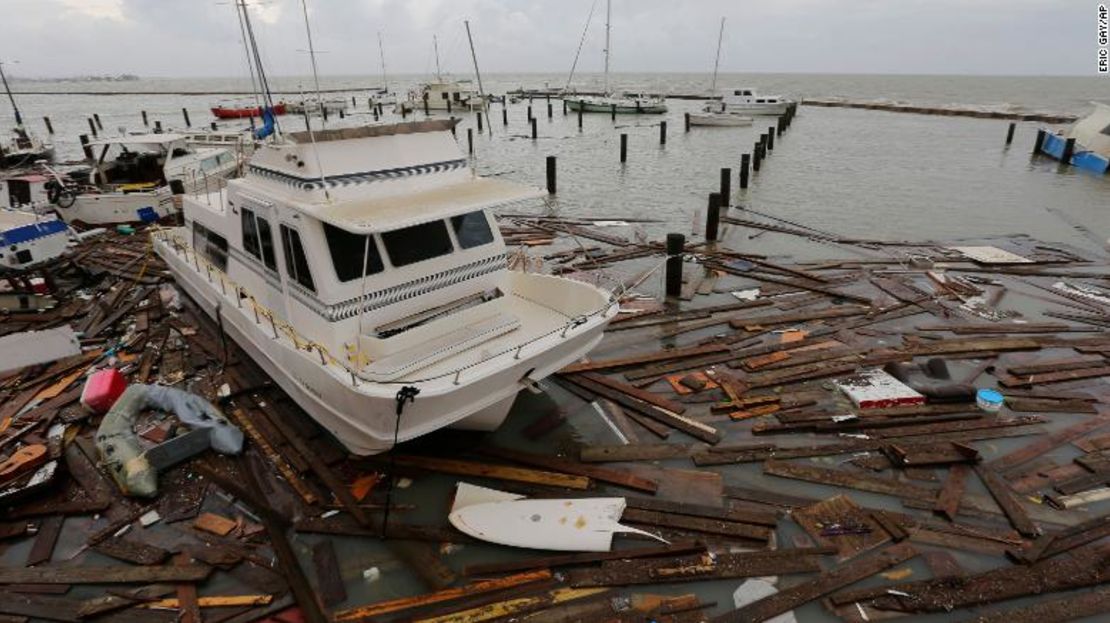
(11, 98)
(717, 62)
(381, 52)
(477, 74)
(312, 55)
(608, 14)
(435, 44)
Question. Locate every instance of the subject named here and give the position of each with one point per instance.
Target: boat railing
(283, 330)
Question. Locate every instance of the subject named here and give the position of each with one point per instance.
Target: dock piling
(92, 127)
(504, 115)
(686, 116)
(479, 115)
(342, 113)
(185, 114)
(214, 126)
(426, 111)
(49, 126)
(535, 135)
(745, 162)
(470, 141)
(624, 148)
(448, 99)
(613, 112)
(662, 132)
(564, 107)
(96, 117)
(1010, 133)
(529, 113)
(145, 122)
(158, 127)
(551, 175)
(549, 112)
(713, 216)
(1037, 144)
(756, 156)
(84, 138)
(771, 139)
(724, 200)
(580, 117)
(675, 245)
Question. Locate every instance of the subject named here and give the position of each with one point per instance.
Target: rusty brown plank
(636, 392)
(635, 360)
(948, 501)
(705, 525)
(558, 464)
(998, 489)
(1045, 443)
(546, 562)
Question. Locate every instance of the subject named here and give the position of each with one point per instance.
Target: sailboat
(362, 268)
(21, 147)
(615, 103)
(717, 114)
(445, 94)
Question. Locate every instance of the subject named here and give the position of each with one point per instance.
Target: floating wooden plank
(1053, 377)
(790, 598)
(687, 523)
(948, 501)
(219, 601)
(691, 427)
(723, 513)
(998, 489)
(129, 550)
(499, 472)
(42, 550)
(1067, 608)
(840, 523)
(516, 607)
(636, 392)
(840, 478)
(566, 466)
(996, 344)
(408, 603)
(700, 567)
(635, 360)
(637, 452)
(50, 574)
(1043, 444)
(673, 549)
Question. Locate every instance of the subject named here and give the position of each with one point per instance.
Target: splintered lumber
(514, 607)
(777, 319)
(408, 603)
(104, 575)
(723, 513)
(787, 599)
(1043, 444)
(731, 529)
(702, 567)
(1075, 536)
(637, 452)
(636, 392)
(1012, 508)
(673, 549)
(1067, 608)
(501, 472)
(944, 595)
(1056, 365)
(663, 355)
(222, 601)
(840, 478)
(695, 429)
(948, 501)
(1053, 377)
(558, 464)
(987, 345)
(840, 523)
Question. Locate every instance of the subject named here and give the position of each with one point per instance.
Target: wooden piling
(448, 98)
(579, 117)
(376, 112)
(662, 132)
(145, 123)
(479, 115)
(342, 113)
(534, 134)
(96, 117)
(504, 115)
(713, 215)
(564, 107)
(624, 148)
(84, 138)
(158, 126)
(745, 162)
(1037, 144)
(529, 113)
(49, 126)
(323, 111)
(354, 104)
(92, 127)
(470, 141)
(675, 245)
(1069, 149)
(771, 139)
(755, 156)
(549, 111)
(453, 128)
(1010, 133)
(426, 111)
(551, 175)
(185, 114)
(613, 112)
(726, 187)
(780, 126)
(214, 126)
(686, 116)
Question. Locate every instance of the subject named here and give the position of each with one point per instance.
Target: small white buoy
(373, 574)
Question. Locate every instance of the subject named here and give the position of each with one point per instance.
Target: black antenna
(18, 117)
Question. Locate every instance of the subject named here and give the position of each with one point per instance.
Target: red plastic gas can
(102, 389)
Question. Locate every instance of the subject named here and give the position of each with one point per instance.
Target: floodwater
(854, 173)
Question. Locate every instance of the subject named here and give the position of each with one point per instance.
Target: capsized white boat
(573, 525)
(134, 178)
(362, 269)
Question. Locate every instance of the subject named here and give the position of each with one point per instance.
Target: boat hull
(1082, 157)
(118, 208)
(362, 416)
(621, 109)
(757, 109)
(720, 120)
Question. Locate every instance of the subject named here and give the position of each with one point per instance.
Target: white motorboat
(449, 95)
(134, 178)
(28, 240)
(364, 272)
(314, 106)
(749, 102)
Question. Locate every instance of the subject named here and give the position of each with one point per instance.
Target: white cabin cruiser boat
(716, 115)
(747, 101)
(134, 178)
(446, 95)
(622, 104)
(362, 269)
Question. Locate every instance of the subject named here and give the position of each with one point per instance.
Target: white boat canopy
(365, 216)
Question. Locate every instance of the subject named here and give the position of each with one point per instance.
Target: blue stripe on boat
(26, 233)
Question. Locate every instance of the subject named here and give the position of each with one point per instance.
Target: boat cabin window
(296, 264)
(258, 239)
(417, 243)
(132, 164)
(472, 229)
(211, 245)
(348, 254)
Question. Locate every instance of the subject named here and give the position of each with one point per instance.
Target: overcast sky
(201, 37)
